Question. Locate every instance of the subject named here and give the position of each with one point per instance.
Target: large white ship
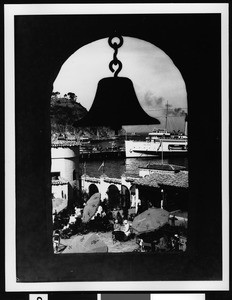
(159, 142)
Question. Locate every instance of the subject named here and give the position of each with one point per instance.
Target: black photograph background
(42, 44)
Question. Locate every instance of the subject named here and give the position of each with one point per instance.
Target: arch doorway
(125, 200)
(113, 197)
(93, 189)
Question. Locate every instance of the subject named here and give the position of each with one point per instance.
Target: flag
(101, 166)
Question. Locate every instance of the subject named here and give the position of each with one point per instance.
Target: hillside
(64, 111)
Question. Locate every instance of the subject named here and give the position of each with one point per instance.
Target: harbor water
(128, 166)
(115, 167)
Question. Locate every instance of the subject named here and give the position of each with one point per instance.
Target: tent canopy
(91, 207)
(89, 243)
(150, 220)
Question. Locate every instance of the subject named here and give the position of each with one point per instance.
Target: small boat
(84, 140)
(166, 168)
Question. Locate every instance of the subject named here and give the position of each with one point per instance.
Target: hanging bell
(115, 104)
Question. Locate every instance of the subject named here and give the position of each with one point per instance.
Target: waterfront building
(165, 189)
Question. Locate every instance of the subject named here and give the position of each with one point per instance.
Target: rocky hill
(64, 111)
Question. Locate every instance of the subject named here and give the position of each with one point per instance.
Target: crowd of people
(165, 239)
(122, 231)
(69, 222)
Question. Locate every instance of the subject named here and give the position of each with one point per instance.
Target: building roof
(113, 180)
(147, 181)
(59, 181)
(159, 179)
(91, 179)
(132, 179)
(64, 144)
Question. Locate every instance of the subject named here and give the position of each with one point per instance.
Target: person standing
(176, 242)
(119, 218)
(117, 228)
(126, 229)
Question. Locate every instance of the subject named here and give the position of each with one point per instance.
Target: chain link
(115, 61)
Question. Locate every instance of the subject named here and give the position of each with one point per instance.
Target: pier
(98, 152)
(101, 154)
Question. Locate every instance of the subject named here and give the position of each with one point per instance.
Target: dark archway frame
(42, 44)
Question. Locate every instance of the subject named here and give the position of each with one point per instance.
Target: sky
(157, 81)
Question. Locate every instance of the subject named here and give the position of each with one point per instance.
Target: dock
(101, 154)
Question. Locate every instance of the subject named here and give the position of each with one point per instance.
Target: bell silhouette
(115, 105)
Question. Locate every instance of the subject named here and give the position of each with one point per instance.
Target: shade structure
(58, 204)
(89, 243)
(116, 104)
(150, 220)
(91, 207)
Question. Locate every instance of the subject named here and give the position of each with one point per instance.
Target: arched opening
(132, 189)
(157, 81)
(93, 189)
(133, 195)
(113, 197)
(125, 200)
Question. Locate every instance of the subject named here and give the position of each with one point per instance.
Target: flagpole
(162, 154)
(85, 168)
(103, 167)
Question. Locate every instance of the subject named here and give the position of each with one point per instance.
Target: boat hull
(166, 148)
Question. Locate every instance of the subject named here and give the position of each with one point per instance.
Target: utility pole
(162, 153)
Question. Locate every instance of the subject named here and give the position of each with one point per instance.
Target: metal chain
(115, 60)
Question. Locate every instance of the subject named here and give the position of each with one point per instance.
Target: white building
(64, 171)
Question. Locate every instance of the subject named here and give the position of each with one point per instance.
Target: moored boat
(159, 142)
